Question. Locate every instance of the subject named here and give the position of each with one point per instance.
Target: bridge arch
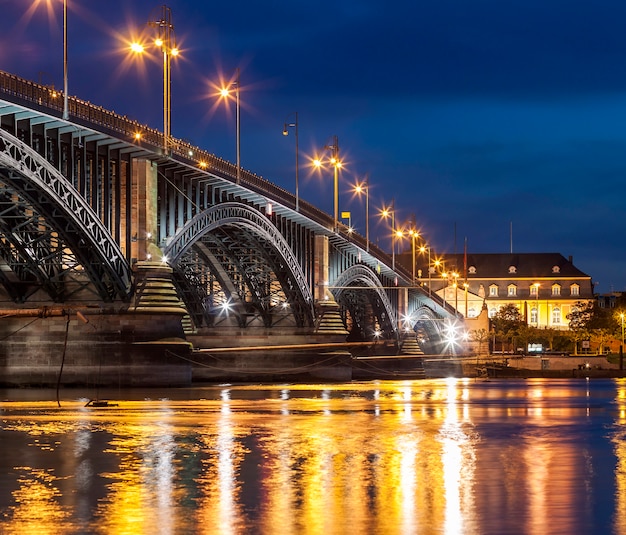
(358, 289)
(241, 250)
(50, 231)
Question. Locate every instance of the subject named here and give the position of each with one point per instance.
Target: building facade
(545, 287)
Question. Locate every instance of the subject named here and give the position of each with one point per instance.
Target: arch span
(359, 290)
(50, 218)
(247, 256)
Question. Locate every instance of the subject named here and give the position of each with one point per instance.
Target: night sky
(502, 123)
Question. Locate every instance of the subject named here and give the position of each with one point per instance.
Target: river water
(447, 456)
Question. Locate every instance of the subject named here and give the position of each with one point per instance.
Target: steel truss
(358, 290)
(232, 256)
(70, 237)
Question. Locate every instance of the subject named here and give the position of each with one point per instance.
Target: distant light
(164, 259)
(190, 153)
(224, 92)
(268, 208)
(174, 52)
(137, 47)
(158, 41)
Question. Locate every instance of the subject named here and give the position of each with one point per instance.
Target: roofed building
(544, 286)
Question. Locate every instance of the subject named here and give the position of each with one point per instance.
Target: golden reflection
(37, 508)
(450, 456)
(619, 441)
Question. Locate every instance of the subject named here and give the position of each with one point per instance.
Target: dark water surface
(448, 456)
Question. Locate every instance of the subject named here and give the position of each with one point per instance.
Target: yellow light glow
(317, 162)
(174, 52)
(137, 48)
(224, 92)
(158, 42)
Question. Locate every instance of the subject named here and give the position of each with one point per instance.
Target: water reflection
(450, 456)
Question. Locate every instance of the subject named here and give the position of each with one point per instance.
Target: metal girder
(259, 262)
(45, 189)
(359, 287)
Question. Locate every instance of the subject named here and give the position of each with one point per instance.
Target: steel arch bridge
(85, 201)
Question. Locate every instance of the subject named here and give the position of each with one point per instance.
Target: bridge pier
(137, 344)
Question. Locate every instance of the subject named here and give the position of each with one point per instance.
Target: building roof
(504, 265)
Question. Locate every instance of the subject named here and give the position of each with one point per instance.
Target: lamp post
(621, 348)
(66, 114)
(422, 250)
(286, 133)
(333, 147)
(391, 212)
(166, 41)
(414, 234)
(225, 93)
(364, 188)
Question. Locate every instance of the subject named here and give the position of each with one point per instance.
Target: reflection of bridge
(92, 206)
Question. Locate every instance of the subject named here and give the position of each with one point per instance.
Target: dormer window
(472, 270)
(534, 289)
(556, 269)
(556, 289)
(493, 290)
(574, 289)
(512, 269)
(511, 290)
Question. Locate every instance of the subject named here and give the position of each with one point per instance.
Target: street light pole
(286, 133)
(66, 114)
(238, 129)
(166, 42)
(359, 188)
(333, 147)
(414, 234)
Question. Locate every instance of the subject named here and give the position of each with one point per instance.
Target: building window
(471, 313)
(512, 290)
(472, 270)
(492, 312)
(574, 289)
(533, 290)
(556, 316)
(512, 269)
(556, 269)
(556, 289)
(493, 291)
(533, 315)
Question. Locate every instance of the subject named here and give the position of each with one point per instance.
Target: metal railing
(49, 100)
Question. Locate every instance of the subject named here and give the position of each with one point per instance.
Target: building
(544, 286)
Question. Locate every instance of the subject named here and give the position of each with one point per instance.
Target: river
(451, 456)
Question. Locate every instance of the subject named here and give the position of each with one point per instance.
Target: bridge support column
(144, 212)
(327, 309)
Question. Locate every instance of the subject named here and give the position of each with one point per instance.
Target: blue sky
(476, 117)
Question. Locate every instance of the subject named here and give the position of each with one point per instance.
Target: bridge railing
(47, 98)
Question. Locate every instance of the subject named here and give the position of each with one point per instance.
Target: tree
(507, 322)
(479, 335)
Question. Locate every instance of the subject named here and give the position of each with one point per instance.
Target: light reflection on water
(447, 456)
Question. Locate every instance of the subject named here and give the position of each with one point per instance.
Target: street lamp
(622, 346)
(364, 188)
(333, 147)
(391, 212)
(225, 93)
(413, 234)
(66, 114)
(286, 133)
(423, 249)
(166, 41)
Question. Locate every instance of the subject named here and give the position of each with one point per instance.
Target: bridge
(102, 217)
